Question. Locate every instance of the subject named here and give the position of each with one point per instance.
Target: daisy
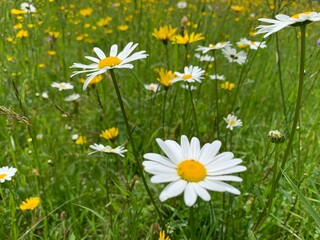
(72, 97)
(152, 87)
(217, 77)
(6, 173)
(233, 56)
(27, 7)
(211, 47)
(283, 21)
(190, 74)
(204, 58)
(103, 63)
(252, 45)
(192, 170)
(62, 86)
(232, 121)
(107, 149)
(182, 4)
(188, 87)
(30, 203)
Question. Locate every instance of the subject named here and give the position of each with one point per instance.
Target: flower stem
(135, 153)
(194, 109)
(164, 113)
(294, 124)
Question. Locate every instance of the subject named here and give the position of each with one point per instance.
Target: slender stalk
(164, 113)
(294, 123)
(135, 153)
(192, 224)
(216, 97)
(194, 109)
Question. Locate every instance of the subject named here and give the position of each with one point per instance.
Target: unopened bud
(276, 137)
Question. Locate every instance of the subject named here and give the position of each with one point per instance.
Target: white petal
(190, 195)
(224, 165)
(168, 151)
(194, 148)
(93, 59)
(164, 178)
(127, 50)
(99, 53)
(202, 192)
(224, 178)
(173, 189)
(156, 168)
(185, 147)
(208, 151)
(114, 50)
(159, 159)
(88, 80)
(222, 157)
(235, 169)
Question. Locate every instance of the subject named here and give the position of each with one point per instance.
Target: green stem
(194, 109)
(216, 97)
(135, 153)
(164, 113)
(192, 224)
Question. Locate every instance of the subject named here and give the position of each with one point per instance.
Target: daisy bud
(276, 137)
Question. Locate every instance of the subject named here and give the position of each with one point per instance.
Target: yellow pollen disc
(232, 123)
(3, 175)
(298, 14)
(187, 76)
(191, 171)
(109, 62)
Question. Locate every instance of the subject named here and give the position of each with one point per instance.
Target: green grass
(102, 196)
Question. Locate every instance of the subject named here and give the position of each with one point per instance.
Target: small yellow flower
(237, 8)
(52, 53)
(18, 26)
(54, 34)
(9, 58)
(86, 12)
(9, 39)
(110, 133)
(123, 28)
(22, 34)
(186, 38)
(165, 77)
(81, 140)
(17, 11)
(162, 236)
(95, 80)
(104, 22)
(41, 65)
(30, 203)
(227, 85)
(165, 33)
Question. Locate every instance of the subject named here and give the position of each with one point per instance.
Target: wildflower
(72, 97)
(45, 95)
(104, 22)
(252, 45)
(232, 121)
(283, 21)
(52, 53)
(192, 170)
(81, 140)
(162, 236)
(166, 77)
(233, 56)
(190, 74)
(237, 8)
(188, 87)
(217, 77)
(211, 47)
(22, 34)
(182, 4)
(110, 133)
(17, 11)
(152, 87)
(107, 149)
(6, 173)
(204, 58)
(86, 12)
(123, 28)
(103, 63)
(95, 80)
(165, 33)
(27, 7)
(30, 203)
(276, 137)
(62, 86)
(186, 38)
(227, 85)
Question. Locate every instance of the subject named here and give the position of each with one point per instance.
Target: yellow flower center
(232, 123)
(3, 175)
(191, 171)
(186, 76)
(109, 62)
(298, 14)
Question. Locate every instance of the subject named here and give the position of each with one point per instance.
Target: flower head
(190, 74)
(30, 203)
(204, 58)
(251, 44)
(72, 97)
(152, 87)
(227, 85)
(191, 169)
(233, 56)
(107, 149)
(276, 137)
(232, 121)
(165, 33)
(211, 47)
(283, 21)
(185, 38)
(162, 236)
(6, 173)
(110, 133)
(81, 140)
(62, 86)
(27, 7)
(165, 77)
(103, 63)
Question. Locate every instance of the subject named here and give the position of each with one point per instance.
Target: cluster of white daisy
(6, 173)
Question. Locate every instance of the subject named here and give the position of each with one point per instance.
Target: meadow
(181, 95)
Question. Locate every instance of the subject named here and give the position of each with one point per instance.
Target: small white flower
(217, 77)
(152, 87)
(103, 63)
(283, 21)
(193, 170)
(190, 74)
(233, 56)
(219, 45)
(252, 45)
(75, 136)
(204, 58)
(28, 7)
(232, 121)
(62, 86)
(107, 149)
(72, 97)
(6, 173)
(182, 4)
(186, 86)
(45, 95)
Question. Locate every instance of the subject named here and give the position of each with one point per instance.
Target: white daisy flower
(204, 58)
(72, 97)
(104, 63)
(62, 86)
(28, 7)
(219, 45)
(6, 173)
(217, 77)
(233, 56)
(107, 149)
(182, 4)
(252, 45)
(192, 170)
(190, 74)
(283, 21)
(232, 121)
(187, 87)
(152, 87)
